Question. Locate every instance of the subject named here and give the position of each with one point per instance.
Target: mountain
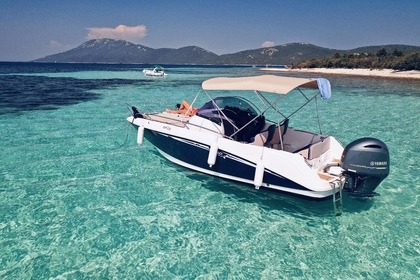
(120, 51)
(279, 55)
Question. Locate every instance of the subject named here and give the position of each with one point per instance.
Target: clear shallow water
(79, 199)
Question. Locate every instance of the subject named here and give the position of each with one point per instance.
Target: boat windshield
(240, 118)
(229, 102)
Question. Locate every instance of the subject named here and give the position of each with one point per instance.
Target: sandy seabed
(384, 73)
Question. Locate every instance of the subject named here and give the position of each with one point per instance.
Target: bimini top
(268, 83)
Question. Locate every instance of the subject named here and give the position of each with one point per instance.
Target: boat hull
(194, 155)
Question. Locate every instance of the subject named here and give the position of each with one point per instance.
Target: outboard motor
(366, 163)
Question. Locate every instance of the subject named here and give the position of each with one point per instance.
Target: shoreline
(375, 73)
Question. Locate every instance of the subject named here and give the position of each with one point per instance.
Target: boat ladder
(337, 197)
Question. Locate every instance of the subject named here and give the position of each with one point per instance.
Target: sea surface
(79, 199)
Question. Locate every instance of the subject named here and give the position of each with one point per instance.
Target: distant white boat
(158, 71)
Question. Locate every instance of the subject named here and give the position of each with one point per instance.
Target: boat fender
(140, 135)
(259, 174)
(211, 160)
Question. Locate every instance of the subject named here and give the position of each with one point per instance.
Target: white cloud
(267, 44)
(123, 32)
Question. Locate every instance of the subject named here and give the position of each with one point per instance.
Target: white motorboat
(231, 138)
(157, 72)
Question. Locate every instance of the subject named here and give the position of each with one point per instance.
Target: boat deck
(169, 118)
(326, 176)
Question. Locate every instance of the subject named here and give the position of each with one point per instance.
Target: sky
(30, 29)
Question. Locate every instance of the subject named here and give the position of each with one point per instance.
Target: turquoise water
(79, 199)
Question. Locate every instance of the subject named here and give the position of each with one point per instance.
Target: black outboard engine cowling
(366, 163)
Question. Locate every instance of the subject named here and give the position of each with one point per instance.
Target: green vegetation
(381, 60)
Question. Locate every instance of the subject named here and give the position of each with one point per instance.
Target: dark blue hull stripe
(196, 154)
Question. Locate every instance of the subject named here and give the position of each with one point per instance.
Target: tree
(370, 61)
(397, 53)
(409, 62)
(382, 53)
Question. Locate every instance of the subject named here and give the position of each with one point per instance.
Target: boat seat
(246, 124)
(271, 136)
(228, 126)
(307, 144)
(317, 149)
(314, 150)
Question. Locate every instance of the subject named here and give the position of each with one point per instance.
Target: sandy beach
(384, 73)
